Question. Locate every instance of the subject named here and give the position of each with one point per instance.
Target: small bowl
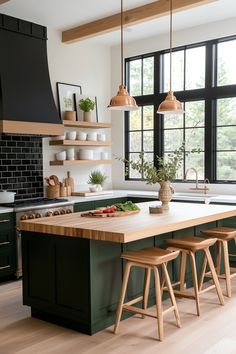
(101, 137)
(86, 154)
(61, 156)
(92, 136)
(81, 136)
(71, 135)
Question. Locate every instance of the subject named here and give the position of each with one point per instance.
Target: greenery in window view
(136, 74)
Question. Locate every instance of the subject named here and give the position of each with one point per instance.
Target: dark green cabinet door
(108, 201)
(84, 206)
(7, 245)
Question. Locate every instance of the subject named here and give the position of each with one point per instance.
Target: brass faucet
(197, 188)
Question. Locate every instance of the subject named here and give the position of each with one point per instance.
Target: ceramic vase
(165, 194)
(88, 116)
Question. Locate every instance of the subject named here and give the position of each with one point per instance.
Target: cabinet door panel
(84, 206)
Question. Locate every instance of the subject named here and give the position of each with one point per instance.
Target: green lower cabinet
(93, 204)
(230, 222)
(83, 206)
(7, 245)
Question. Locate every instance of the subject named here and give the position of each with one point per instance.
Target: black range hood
(26, 101)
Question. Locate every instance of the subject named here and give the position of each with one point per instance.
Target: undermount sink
(195, 195)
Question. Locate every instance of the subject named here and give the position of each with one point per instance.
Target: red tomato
(99, 211)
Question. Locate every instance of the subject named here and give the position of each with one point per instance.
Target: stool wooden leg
(202, 275)
(195, 283)
(122, 296)
(227, 267)
(158, 304)
(146, 288)
(182, 270)
(214, 275)
(218, 258)
(172, 296)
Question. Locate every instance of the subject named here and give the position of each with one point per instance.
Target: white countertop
(5, 210)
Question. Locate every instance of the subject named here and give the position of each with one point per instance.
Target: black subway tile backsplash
(21, 165)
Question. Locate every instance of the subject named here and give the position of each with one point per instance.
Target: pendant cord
(171, 35)
(121, 43)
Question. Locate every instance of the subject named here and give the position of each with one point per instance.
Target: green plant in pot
(164, 174)
(87, 106)
(97, 180)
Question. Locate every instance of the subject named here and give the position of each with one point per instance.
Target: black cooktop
(33, 202)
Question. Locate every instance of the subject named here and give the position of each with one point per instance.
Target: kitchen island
(72, 270)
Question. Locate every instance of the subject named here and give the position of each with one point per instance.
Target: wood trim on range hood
(133, 16)
(16, 127)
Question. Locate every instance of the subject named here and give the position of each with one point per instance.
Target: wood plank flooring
(214, 332)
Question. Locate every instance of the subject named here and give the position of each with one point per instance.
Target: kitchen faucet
(197, 188)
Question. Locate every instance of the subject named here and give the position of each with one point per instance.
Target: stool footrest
(186, 294)
(210, 287)
(134, 301)
(138, 311)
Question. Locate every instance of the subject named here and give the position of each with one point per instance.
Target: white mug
(81, 136)
(101, 137)
(71, 135)
(92, 136)
(70, 154)
(61, 156)
(104, 155)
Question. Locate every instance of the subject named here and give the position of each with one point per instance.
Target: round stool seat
(225, 233)
(152, 256)
(191, 243)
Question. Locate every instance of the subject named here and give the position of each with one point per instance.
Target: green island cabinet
(76, 282)
(93, 204)
(7, 245)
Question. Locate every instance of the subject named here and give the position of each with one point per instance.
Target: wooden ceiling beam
(3, 1)
(133, 16)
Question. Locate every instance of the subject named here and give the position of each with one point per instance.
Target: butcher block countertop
(132, 227)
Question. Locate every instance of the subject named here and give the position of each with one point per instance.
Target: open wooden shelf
(82, 124)
(79, 143)
(79, 162)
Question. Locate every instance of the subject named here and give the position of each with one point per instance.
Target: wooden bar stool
(223, 236)
(150, 259)
(189, 246)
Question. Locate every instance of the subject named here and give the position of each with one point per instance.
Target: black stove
(33, 202)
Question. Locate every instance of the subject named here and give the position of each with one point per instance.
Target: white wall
(192, 35)
(87, 65)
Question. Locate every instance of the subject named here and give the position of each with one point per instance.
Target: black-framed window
(204, 80)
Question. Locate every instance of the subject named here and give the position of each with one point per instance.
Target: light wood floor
(214, 332)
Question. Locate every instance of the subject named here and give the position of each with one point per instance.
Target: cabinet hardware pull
(4, 243)
(8, 266)
(4, 220)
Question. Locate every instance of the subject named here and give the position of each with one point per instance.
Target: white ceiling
(63, 14)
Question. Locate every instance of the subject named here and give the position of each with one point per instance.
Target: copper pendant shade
(122, 101)
(170, 105)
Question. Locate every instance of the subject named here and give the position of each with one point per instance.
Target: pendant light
(122, 101)
(170, 105)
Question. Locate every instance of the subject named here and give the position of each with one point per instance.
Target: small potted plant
(70, 114)
(87, 106)
(97, 180)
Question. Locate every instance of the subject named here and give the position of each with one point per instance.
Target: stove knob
(62, 211)
(56, 212)
(38, 215)
(31, 216)
(49, 213)
(68, 211)
(24, 217)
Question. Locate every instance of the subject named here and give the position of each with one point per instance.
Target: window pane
(135, 119)
(195, 161)
(148, 117)
(194, 138)
(148, 157)
(133, 173)
(135, 77)
(226, 165)
(173, 139)
(194, 114)
(177, 71)
(148, 140)
(226, 138)
(195, 68)
(135, 142)
(179, 174)
(148, 76)
(173, 121)
(226, 63)
(226, 111)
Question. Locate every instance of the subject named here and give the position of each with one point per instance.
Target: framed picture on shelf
(66, 96)
(86, 102)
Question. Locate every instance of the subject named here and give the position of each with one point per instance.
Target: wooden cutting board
(69, 182)
(90, 194)
(91, 214)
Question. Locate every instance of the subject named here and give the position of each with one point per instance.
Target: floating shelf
(79, 162)
(79, 143)
(82, 124)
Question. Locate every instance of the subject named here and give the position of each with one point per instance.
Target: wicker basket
(53, 191)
